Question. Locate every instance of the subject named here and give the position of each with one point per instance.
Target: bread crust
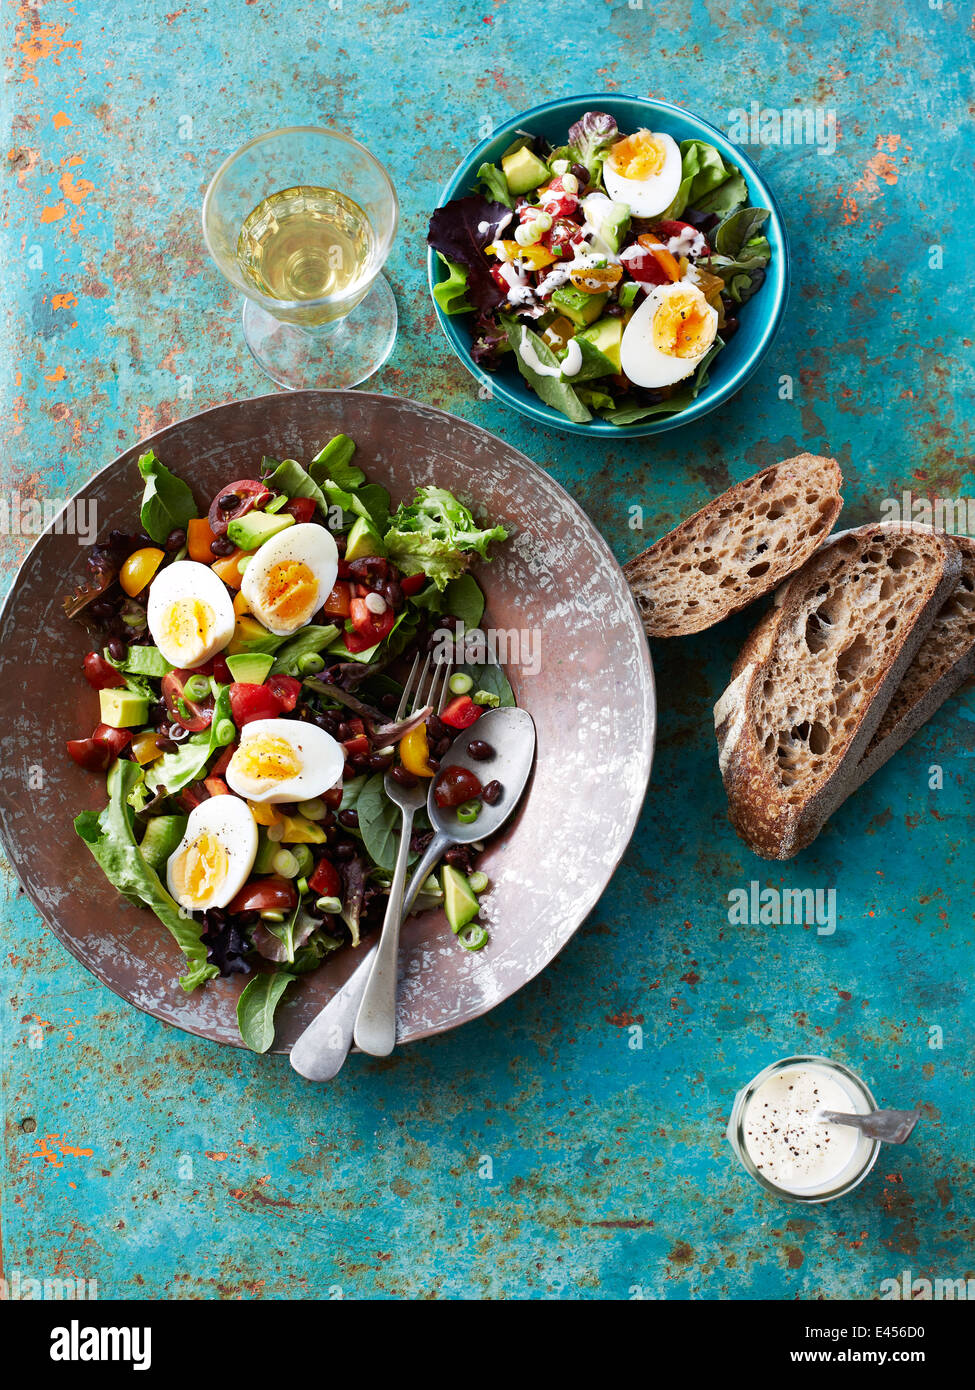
(774, 821)
(732, 537)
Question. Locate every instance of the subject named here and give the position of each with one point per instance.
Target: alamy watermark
(27, 1288)
(792, 125)
(905, 1286)
(29, 516)
(800, 907)
(519, 648)
(955, 516)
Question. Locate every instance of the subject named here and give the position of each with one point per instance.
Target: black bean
(492, 792)
(404, 777)
(349, 818)
(228, 502)
(166, 745)
(344, 731)
(117, 649)
(582, 174)
(340, 543)
(458, 857)
(393, 594)
(344, 850)
(221, 546)
(436, 728)
(175, 540)
(440, 746)
(380, 762)
(479, 750)
(390, 703)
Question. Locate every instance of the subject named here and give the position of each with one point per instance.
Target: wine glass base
(337, 355)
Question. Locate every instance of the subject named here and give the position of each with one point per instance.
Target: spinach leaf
(552, 389)
(464, 599)
(309, 641)
(497, 188)
(594, 399)
(110, 837)
(739, 228)
(492, 679)
(375, 499)
(707, 182)
(351, 791)
(290, 478)
(255, 1009)
(379, 822)
(167, 503)
(335, 462)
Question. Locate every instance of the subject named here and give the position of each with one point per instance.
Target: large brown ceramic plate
(592, 702)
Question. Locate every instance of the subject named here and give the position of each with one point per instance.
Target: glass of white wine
(301, 221)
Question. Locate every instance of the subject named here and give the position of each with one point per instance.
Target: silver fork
(375, 1024)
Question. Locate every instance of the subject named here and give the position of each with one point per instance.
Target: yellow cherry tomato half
(139, 568)
(594, 279)
(145, 748)
(535, 256)
(414, 752)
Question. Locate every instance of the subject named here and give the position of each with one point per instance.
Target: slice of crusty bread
(815, 677)
(737, 548)
(945, 659)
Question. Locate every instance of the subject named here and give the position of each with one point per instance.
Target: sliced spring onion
(271, 914)
(460, 683)
(468, 812)
(275, 832)
(196, 688)
(310, 664)
(304, 857)
(225, 732)
(302, 886)
(478, 881)
(473, 937)
(312, 810)
(330, 905)
(285, 863)
(276, 503)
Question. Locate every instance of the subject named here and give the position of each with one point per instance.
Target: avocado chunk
(460, 901)
(123, 709)
(610, 221)
(250, 668)
(252, 636)
(363, 540)
(578, 306)
(163, 834)
(604, 336)
(254, 528)
(266, 850)
(524, 170)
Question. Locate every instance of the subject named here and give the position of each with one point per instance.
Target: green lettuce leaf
(175, 770)
(707, 184)
(629, 412)
(552, 389)
(167, 502)
(494, 181)
(110, 837)
(451, 294)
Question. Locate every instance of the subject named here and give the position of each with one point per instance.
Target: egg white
(320, 758)
(305, 544)
(641, 360)
(651, 196)
(230, 823)
(178, 587)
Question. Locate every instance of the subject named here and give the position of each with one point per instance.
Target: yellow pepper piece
(299, 831)
(139, 568)
(145, 748)
(535, 256)
(414, 752)
(241, 606)
(264, 813)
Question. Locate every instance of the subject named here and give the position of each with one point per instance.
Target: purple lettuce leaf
(460, 230)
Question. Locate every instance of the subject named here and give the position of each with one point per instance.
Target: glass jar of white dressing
(778, 1134)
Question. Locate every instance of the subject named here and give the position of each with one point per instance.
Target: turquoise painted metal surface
(570, 1143)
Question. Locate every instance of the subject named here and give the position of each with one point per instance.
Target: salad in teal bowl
(607, 264)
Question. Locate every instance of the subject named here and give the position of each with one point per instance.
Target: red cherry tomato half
(101, 673)
(200, 715)
(223, 762)
(326, 881)
(91, 754)
(461, 713)
(114, 739)
(220, 670)
(248, 702)
(265, 895)
(301, 508)
(455, 785)
(412, 583)
(249, 493)
(673, 227)
(372, 627)
(285, 690)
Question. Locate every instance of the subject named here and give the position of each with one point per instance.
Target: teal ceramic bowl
(760, 317)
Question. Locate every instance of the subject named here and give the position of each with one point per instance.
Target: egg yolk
(290, 591)
(187, 625)
(268, 759)
(682, 326)
(200, 870)
(639, 156)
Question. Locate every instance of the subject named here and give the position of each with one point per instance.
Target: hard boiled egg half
(668, 335)
(284, 760)
(215, 856)
(290, 576)
(190, 613)
(644, 170)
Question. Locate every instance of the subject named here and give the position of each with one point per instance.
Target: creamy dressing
(528, 355)
(785, 1136)
(572, 362)
(689, 242)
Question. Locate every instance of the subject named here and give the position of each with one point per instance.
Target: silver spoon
(891, 1126)
(320, 1052)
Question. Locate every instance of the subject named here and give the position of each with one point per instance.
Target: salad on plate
(248, 659)
(610, 270)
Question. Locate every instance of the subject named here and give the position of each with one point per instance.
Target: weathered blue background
(160, 1165)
